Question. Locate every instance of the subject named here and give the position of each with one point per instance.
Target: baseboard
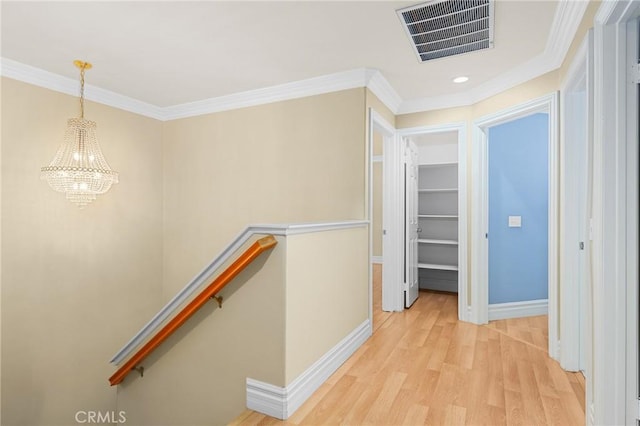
(529, 308)
(554, 350)
(282, 402)
(465, 315)
(376, 259)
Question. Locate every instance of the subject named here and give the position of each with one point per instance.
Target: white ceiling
(168, 53)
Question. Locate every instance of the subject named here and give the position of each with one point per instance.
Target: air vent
(451, 27)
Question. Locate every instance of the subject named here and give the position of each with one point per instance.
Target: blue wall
(518, 186)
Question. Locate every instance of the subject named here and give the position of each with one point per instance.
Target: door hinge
(405, 286)
(486, 235)
(638, 415)
(581, 245)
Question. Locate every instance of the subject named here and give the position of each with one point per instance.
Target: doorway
(394, 212)
(480, 221)
(518, 215)
(435, 211)
(387, 160)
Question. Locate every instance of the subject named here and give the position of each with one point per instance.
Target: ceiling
(166, 53)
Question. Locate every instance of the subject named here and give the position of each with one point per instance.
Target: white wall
(435, 148)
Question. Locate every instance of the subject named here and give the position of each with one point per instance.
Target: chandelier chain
(82, 91)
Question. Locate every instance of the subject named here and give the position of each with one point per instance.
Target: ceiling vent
(438, 29)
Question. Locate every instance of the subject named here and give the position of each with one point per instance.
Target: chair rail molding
(203, 277)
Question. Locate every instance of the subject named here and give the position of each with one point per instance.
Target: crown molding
(563, 29)
(48, 80)
(380, 86)
(282, 92)
(361, 77)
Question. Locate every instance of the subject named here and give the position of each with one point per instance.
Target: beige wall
(327, 293)
(198, 376)
(300, 160)
(76, 284)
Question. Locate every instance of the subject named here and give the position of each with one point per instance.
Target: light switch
(515, 221)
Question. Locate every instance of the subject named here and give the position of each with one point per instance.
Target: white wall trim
(282, 92)
(563, 30)
(479, 242)
(360, 77)
(204, 276)
(528, 308)
(392, 219)
(48, 80)
(282, 402)
(381, 87)
(305, 228)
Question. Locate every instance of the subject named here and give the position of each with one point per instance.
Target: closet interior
(438, 211)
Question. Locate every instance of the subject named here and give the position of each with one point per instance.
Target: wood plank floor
(532, 330)
(423, 366)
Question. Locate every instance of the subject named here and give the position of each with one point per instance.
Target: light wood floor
(423, 366)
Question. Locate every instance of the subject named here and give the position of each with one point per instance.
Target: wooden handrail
(187, 312)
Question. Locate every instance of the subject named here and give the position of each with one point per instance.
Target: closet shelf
(438, 216)
(432, 241)
(437, 266)
(438, 190)
(432, 165)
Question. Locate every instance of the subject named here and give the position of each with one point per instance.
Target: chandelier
(79, 169)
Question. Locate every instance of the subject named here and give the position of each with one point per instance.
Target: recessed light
(461, 79)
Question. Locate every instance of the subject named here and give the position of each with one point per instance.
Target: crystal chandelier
(79, 169)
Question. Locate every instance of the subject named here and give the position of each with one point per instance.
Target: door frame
(392, 223)
(461, 128)
(580, 74)
(615, 218)
(479, 242)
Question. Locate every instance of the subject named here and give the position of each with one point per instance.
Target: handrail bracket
(218, 299)
(140, 370)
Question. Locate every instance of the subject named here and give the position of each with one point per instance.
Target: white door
(411, 222)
